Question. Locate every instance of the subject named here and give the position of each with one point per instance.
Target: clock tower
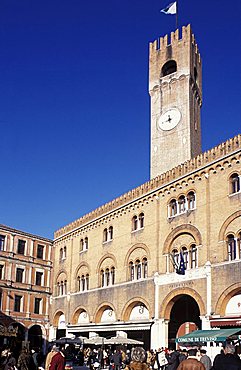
(175, 87)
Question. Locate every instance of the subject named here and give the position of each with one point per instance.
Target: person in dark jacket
(227, 361)
(116, 359)
(25, 360)
(173, 359)
(205, 359)
(182, 355)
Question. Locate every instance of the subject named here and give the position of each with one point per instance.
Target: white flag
(170, 9)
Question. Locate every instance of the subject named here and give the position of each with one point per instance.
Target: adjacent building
(117, 269)
(25, 288)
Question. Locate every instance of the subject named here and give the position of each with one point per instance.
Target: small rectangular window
(17, 303)
(21, 246)
(37, 305)
(40, 251)
(2, 242)
(38, 278)
(1, 272)
(19, 275)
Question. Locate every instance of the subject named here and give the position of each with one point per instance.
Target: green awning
(197, 336)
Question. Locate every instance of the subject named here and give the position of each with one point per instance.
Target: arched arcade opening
(184, 310)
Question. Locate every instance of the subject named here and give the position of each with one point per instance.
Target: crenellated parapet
(192, 165)
(186, 37)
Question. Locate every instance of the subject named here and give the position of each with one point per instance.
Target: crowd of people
(64, 358)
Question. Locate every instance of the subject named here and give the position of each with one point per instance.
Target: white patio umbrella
(122, 340)
(97, 341)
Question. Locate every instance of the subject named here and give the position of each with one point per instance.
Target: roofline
(202, 161)
(16, 231)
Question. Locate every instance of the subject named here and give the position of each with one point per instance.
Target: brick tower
(175, 87)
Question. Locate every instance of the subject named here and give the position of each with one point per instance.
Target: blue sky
(74, 117)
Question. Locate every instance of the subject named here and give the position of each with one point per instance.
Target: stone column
(209, 287)
(159, 334)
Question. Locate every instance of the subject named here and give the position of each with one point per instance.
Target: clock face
(169, 119)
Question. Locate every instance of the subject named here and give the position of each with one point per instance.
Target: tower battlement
(186, 37)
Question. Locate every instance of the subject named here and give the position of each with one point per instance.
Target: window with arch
(131, 271)
(62, 287)
(172, 208)
(182, 204)
(185, 256)
(168, 68)
(83, 282)
(138, 269)
(134, 223)
(234, 247)
(234, 183)
(84, 244)
(108, 234)
(138, 222)
(191, 203)
(189, 254)
(62, 253)
(193, 256)
(175, 258)
(107, 276)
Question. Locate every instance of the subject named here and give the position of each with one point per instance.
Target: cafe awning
(200, 336)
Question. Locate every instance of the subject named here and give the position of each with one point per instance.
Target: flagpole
(176, 14)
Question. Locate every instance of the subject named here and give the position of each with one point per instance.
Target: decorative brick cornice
(195, 164)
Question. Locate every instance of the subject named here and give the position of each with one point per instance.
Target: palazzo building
(25, 288)
(115, 268)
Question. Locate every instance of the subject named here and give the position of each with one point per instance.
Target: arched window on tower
(185, 256)
(110, 232)
(138, 269)
(193, 256)
(232, 247)
(175, 256)
(131, 271)
(172, 208)
(105, 235)
(234, 183)
(112, 276)
(58, 289)
(107, 277)
(191, 203)
(87, 281)
(141, 220)
(86, 244)
(181, 204)
(134, 223)
(144, 268)
(102, 277)
(168, 68)
(61, 254)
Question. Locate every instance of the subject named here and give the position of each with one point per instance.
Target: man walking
(191, 363)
